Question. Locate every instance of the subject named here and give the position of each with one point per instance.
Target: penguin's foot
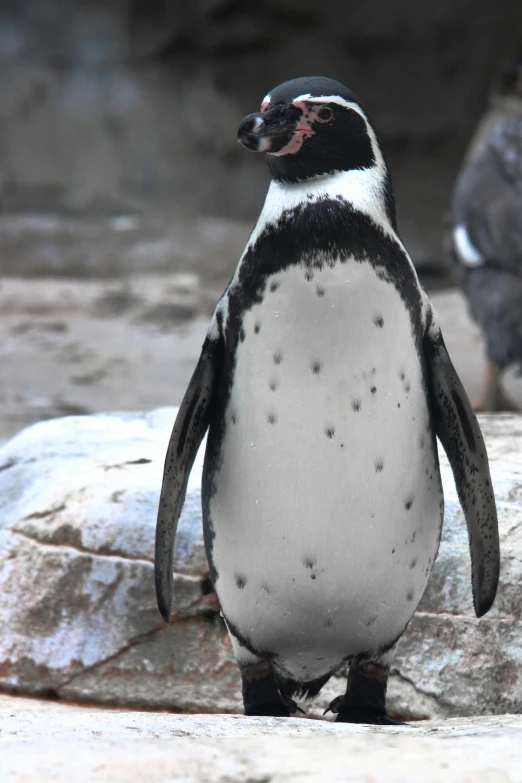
(362, 714)
(277, 709)
(273, 709)
(367, 715)
(261, 695)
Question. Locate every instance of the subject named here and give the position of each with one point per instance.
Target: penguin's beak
(268, 131)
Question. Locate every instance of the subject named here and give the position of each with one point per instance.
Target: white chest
(326, 511)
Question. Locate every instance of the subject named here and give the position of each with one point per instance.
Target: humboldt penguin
(323, 383)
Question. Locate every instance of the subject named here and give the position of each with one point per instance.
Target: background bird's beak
(268, 131)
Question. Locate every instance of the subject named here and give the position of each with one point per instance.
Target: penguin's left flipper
(458, 430)
(189, 430)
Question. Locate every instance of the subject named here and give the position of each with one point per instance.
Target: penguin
(484, 241)
(323, 383)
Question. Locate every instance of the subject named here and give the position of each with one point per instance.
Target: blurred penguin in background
(484, 243)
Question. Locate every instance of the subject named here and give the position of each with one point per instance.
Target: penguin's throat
(362, 190)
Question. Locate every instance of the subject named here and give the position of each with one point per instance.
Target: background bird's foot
(366, 715)
(494, 399)
(499, 403)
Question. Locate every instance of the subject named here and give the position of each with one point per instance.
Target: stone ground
(70, 346)
(42, 742)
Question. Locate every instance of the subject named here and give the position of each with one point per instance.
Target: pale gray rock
(78, 501)
(43, 742)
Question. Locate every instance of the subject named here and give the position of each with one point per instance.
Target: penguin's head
(310, 127)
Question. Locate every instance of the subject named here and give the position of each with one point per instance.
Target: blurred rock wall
(121, 105)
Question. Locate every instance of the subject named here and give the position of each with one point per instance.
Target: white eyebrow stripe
(331, 99)
(266, 100)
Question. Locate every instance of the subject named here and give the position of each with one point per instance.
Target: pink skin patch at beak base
(304, 128)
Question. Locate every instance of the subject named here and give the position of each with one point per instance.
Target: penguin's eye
(325, 114)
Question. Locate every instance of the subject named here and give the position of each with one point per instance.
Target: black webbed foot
(276, 709)
(366, 715)
(273, 709)
(261, 695)
(365, 697)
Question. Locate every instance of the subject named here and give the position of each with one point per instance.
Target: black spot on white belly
(409, 594)
(371, 620)
(309, 275)
(373, 389)
(271, 417)
(274, 285)
(328, 622)
(319, 290)
(242, 334)
(413, 563)
(278, 357)
(356, 405)
(421, 441)
(257, 327)
(402, 376)
(309, 562)
(233, 418)
(379, 466)
(316, 366)
(408, 503)
(273, 383)
(329, 431)
(240, 580)
(379, 321)
(407, 387)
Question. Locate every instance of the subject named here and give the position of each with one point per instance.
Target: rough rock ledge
(41, 742)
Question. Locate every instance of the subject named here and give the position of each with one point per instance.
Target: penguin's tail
(302, 690)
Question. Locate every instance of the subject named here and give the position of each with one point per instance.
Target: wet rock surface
(78, 499)
(43, 742)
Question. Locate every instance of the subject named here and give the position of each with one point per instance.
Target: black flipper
(189, 430)
(459, 432)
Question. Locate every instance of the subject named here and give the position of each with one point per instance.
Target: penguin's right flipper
(189, 430)
(458, 430)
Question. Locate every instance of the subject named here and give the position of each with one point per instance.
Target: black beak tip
(247, 133)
